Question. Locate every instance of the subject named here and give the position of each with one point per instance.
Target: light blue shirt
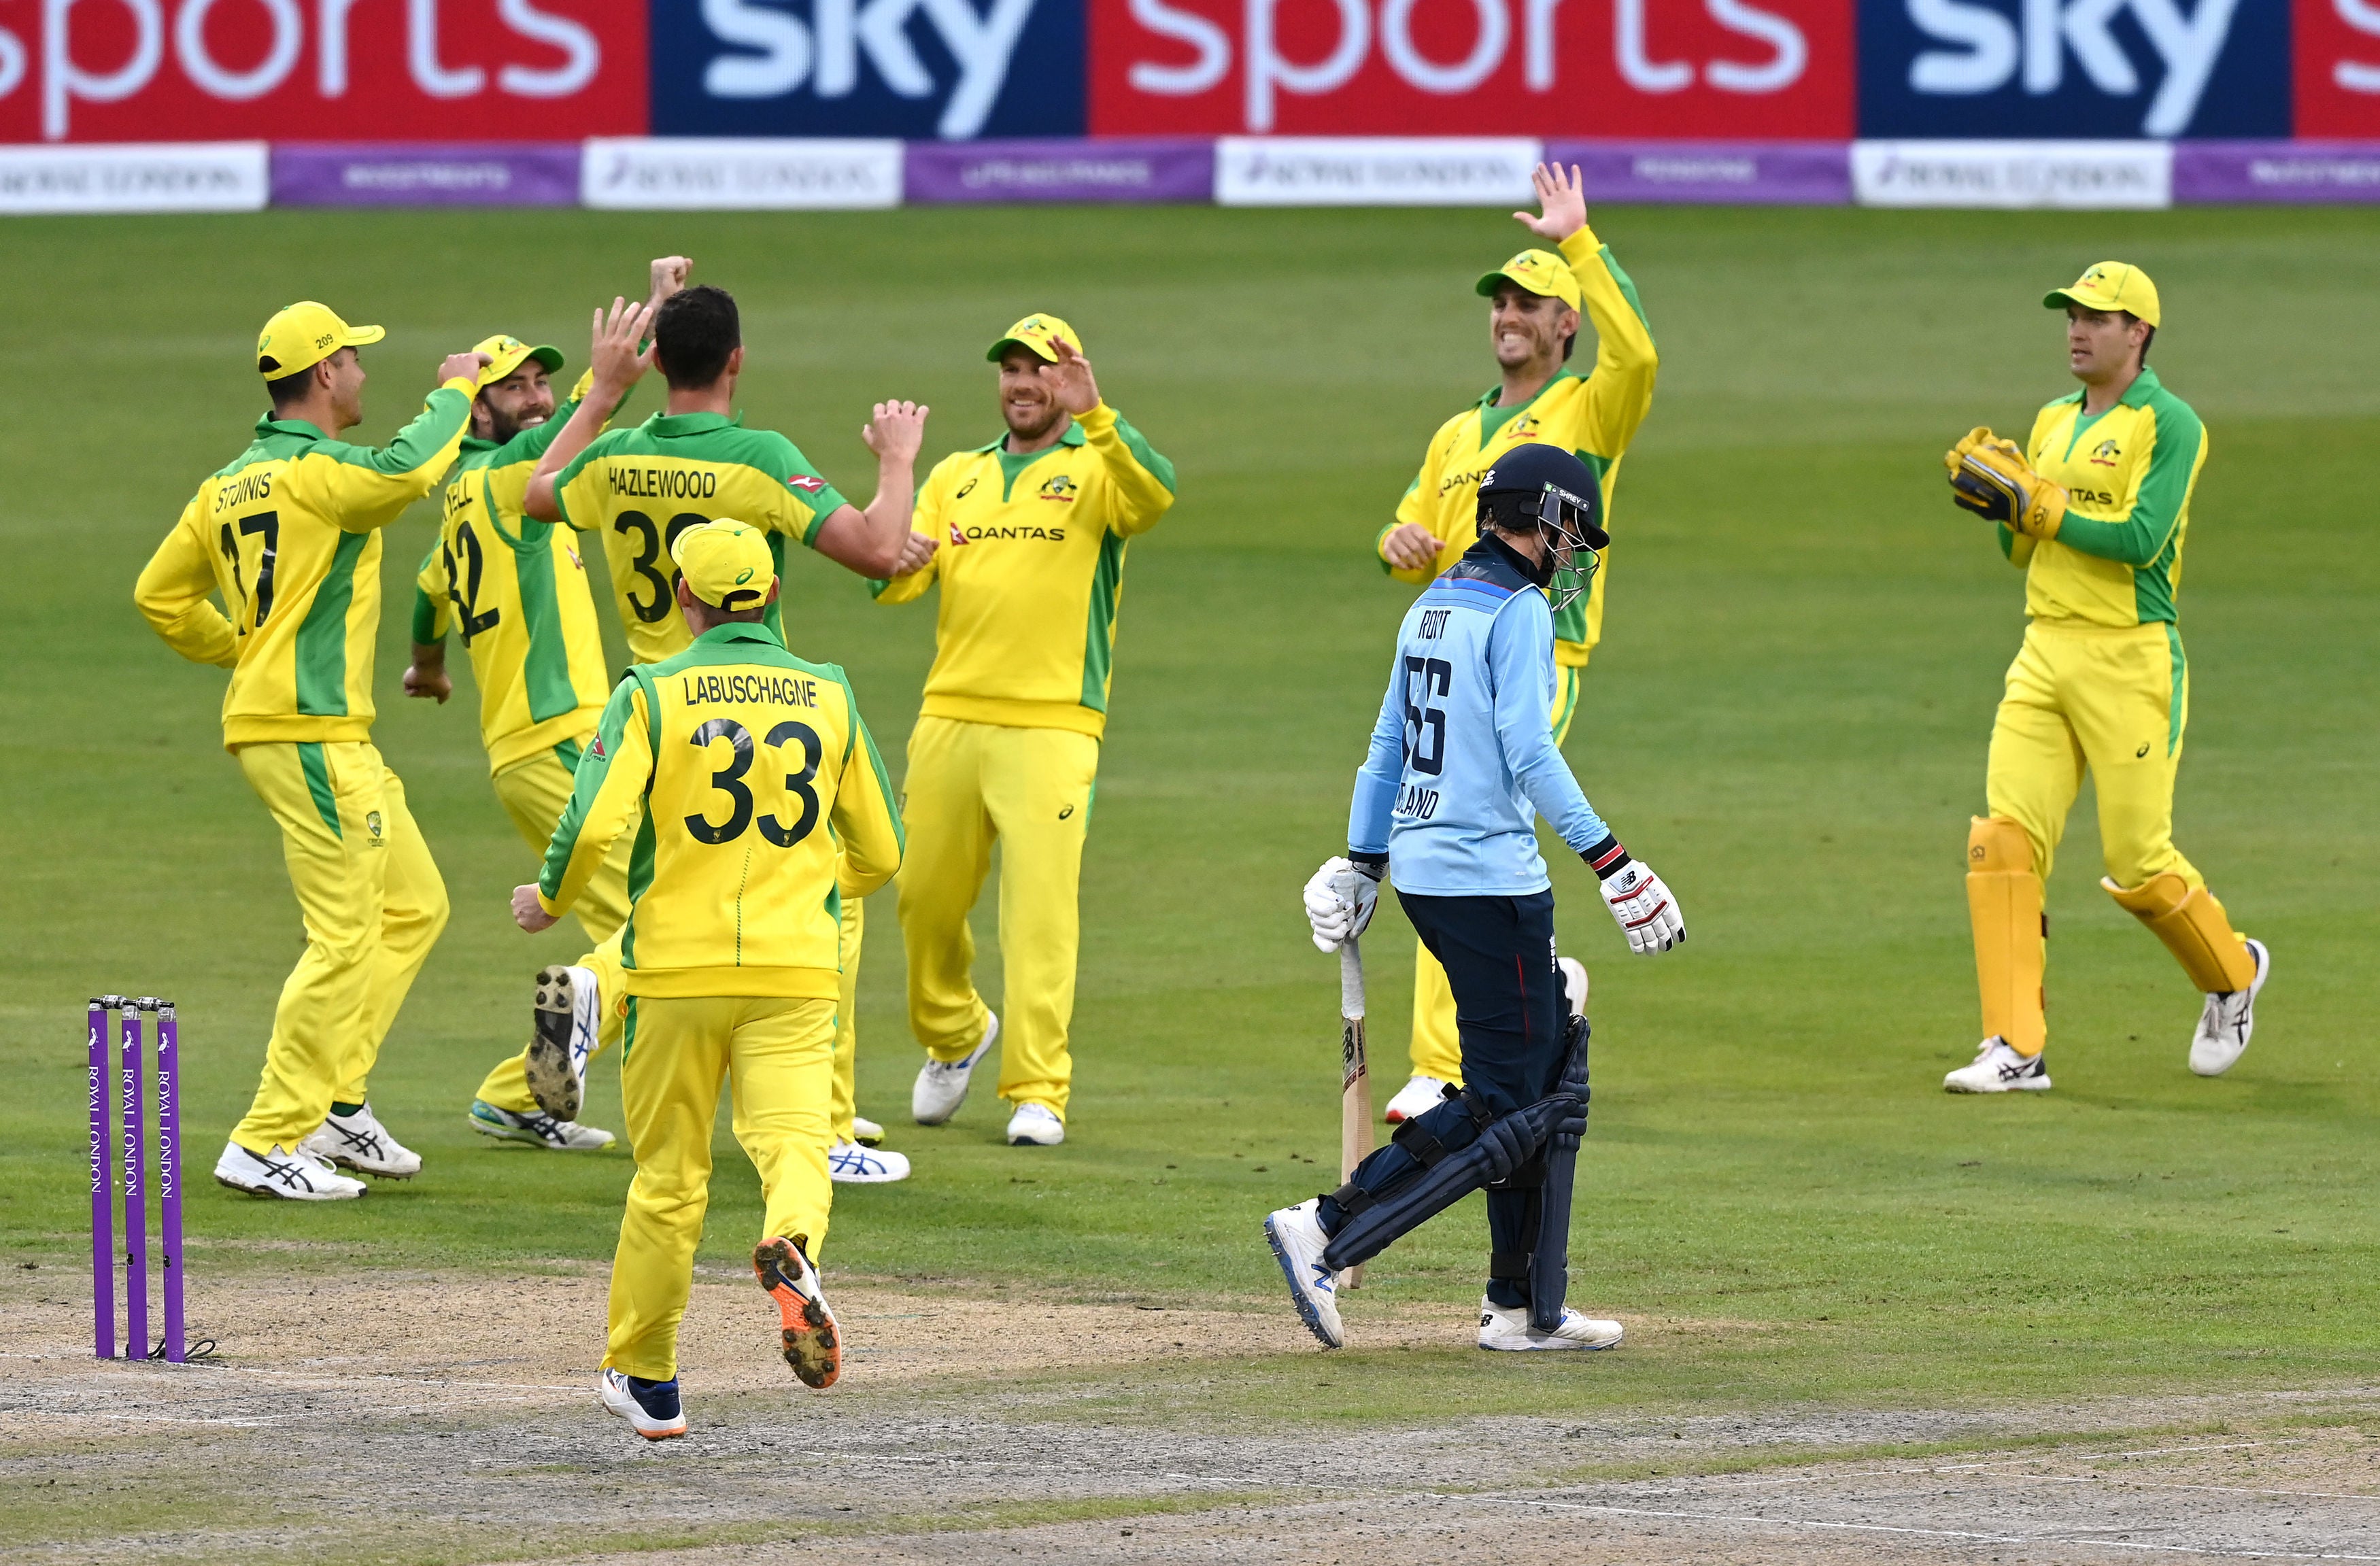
(1463, 758)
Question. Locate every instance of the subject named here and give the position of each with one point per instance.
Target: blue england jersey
(1463, 758)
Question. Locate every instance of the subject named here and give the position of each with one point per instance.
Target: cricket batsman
(288, 533)
(757, 801)
(1532, 325)
(2095, 508)
(638, 489)
(1462, 762)
(1033, 527)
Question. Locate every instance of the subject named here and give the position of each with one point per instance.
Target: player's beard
(501, 427)
(1047, 415)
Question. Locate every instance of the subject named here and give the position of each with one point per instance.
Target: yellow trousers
(534, 792)
(776, 1057)
(1436, 1049)
(1030, 789)
(372, 904)
(2112, 702)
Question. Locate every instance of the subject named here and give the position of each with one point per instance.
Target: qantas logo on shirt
(1054, 534)
(2105, 454)
(808, 483)
(1454, 481)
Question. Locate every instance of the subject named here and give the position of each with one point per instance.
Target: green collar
(473, 444)
(674, 424)
(1490, 401)
(740, 630)
(302, 429)
(2144, 386)
(1073, 437)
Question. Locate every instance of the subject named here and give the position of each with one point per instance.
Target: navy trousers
(1513, 1020)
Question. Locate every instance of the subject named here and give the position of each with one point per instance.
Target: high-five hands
(613, 360)
(1562, 196)
(1070, 379)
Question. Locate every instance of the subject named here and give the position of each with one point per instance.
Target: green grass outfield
(1787, 718)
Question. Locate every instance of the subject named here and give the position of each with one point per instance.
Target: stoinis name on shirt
(254, 485)
(745, 690)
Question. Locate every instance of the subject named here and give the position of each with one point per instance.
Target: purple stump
(136, 1206)
(103, 1216)
(169, 1174)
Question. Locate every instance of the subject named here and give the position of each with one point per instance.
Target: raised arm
(1620, 393)
(872, 541)
(615, 364)
(1143, 478)
(171, 595)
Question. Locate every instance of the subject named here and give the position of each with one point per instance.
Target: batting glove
(1647, 915)
(1339, 901)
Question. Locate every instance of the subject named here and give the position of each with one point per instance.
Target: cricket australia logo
(1528, 427)
(371, 822)
(2106, 452)
(1061, 489)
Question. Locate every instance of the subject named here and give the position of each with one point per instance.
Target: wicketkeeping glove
(1647, 915)
(1339, 901)
(1992, 478)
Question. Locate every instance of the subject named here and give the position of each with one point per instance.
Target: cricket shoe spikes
(1507, 1328)
(2230, 1018)
(537, 1128)
(866, 1132)
(1297, 1242)
(1034, 1125)
(849, 1163)
(294, 1177)
(1417, 1097)
(813, 1345)
(651, 1408)
(941, 1085)
(1999, 1069)
(362, 1143)
(564, 1020)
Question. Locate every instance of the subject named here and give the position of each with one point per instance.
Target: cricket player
(2095, 508)
(288, 533)
(1462, 761)
(638, 489)
(1532, 324)
(761, 800)
(1007, 742)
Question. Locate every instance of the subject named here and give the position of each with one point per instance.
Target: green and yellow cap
(1034, 332)
(506, 354)
(1540, 272)
(302, 335)
(2110, 285)
(727, 563)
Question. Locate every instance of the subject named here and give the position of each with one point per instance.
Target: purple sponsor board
(1764, 173)
(2276, 171)
(1158, 170)
(426, 175)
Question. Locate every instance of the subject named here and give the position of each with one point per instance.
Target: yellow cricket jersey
(2128, 476)
(641, 487)
(1032, 565)
(288, 534)
(1595, 417)
(516, 589)
(758, 783)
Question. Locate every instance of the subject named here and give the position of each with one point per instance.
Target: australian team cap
(727, 565)
(302, 335)
(507, 353)
(2110, 285)
(1035, 331)
(1539, 272)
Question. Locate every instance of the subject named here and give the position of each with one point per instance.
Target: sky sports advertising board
(552, 70)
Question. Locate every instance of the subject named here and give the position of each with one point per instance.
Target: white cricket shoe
(849, 1163)
(941, 1085)
(2230, 1018)
(566, 1020)
(866, 1132)
(1034, 1125)
(1422, 1094)
(652, 1411)
(1507, 1328)
(1999, 1069)
(1297, 1244)
(1574, 973)
(362, 1143)
(296, 1177)
(537, 1128)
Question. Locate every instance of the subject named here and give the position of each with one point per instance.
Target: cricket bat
(1354, 1080)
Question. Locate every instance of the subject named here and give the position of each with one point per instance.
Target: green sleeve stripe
(640, 876)
(441, 419)
(587, 781)
(2177, 699)
(1098, 635)
(318, 784)
(427, 631)
(1627, 288)
(1160, 467)
(883, 778)
(2144, 538)
(568, 752)
(322, 644)
(546, 666)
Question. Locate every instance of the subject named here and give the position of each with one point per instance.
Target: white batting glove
(1339, 901)
(1647, 915)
